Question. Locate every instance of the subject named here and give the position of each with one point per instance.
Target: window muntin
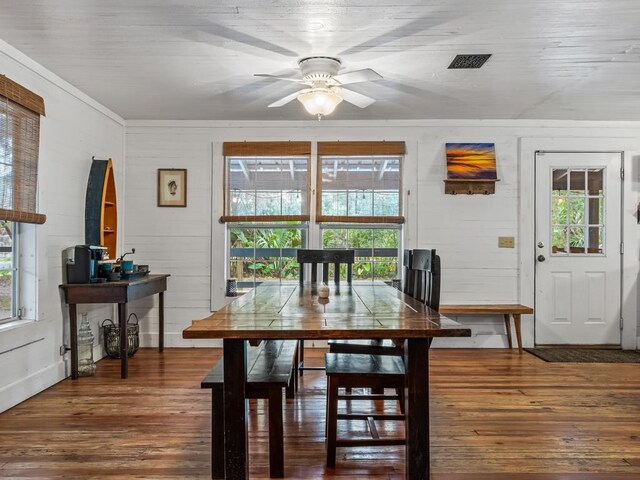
(577, 211)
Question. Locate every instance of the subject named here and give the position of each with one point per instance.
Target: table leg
(161, 324)
(235, 409)
(73, 336)
(417, 455)
(516, 321)
(124, 344)
(217, 434)
(507, 326)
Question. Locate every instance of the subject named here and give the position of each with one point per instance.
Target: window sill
(11, 324)
(18, 333)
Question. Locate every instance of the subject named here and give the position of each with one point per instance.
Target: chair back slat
(409, 275)
(426, 267)
(325, 257)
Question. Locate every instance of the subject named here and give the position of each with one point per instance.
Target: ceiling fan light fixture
(319, 101)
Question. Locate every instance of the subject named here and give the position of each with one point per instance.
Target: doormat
(585, 355)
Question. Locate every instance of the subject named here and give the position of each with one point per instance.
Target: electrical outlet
(506, 242)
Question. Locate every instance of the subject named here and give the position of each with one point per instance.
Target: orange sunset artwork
(471, 161)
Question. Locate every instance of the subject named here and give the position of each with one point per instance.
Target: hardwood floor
(495, 415)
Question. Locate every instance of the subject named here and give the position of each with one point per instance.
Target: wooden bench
(270, 368)
(506, 310)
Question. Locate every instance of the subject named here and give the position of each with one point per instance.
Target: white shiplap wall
(74, 129)
(464, 229)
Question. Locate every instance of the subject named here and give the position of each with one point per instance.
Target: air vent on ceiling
(469, 61)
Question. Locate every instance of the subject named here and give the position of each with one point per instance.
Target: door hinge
(622, 173)
(621, 248)
(19, 314)
(621, 323)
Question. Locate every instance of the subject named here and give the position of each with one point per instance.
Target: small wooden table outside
(361, 311)
(119, 292)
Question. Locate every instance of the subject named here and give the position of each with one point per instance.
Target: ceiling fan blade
(285, 100)
(364, 75)
(356, 98)
(291, 76)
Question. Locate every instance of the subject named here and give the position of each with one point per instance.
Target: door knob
(540, 245)
(541, 258)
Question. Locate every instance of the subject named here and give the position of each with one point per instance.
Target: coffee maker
(82, 263)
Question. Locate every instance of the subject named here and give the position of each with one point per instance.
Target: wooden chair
(377, 346)
(426, 270)
(409, 275)
(376, 371)
(324, 257)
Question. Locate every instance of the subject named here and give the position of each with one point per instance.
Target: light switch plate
(506, 242)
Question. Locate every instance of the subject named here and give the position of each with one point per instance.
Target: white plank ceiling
(195, 59)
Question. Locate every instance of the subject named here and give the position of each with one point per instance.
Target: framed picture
(172, 187)
(471, 161)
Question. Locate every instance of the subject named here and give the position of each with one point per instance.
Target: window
(360, 203)
(263, 253)
(360, 182)
(376, 249)
(266, 209)
(20, 111)
(577, 211)
(8, 280)
(267, 196)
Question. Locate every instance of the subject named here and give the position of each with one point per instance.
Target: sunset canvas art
(471, 161)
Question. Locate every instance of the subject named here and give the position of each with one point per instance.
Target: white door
(578, 248)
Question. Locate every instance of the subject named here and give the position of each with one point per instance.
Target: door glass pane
(559, 240)
(577, 213)
(576, 240)
(595, 181)
(559, 210)
(576, 210)
(594, 239)
(576, 182)
(560, 177)
(596, 212)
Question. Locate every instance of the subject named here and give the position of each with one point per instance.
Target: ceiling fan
(326, 87)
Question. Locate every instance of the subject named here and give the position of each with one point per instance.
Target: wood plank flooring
(496, 415)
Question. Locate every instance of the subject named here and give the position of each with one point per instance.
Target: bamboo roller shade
(21, 123)
(20, 95)
(361, 148)
(265, 149)
(356, 148)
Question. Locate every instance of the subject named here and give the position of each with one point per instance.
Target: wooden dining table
(352, 311)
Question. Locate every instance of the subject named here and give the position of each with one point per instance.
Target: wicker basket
(112, 337)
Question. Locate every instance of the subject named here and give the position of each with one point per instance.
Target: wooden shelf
(455, 186)
(101, 214)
